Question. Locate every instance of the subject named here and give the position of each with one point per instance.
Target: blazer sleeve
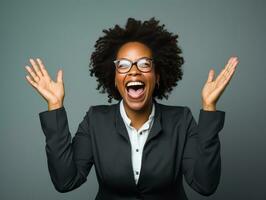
(201, 163)
(68, 162)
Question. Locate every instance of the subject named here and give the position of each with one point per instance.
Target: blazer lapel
(120, 125)
(155, 129)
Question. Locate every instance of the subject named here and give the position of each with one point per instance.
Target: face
(135, 97)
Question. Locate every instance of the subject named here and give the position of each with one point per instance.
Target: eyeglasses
(124, 65)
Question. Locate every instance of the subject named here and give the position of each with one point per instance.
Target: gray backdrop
(63, 34)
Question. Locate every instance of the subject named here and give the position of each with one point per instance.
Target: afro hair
(164, 45)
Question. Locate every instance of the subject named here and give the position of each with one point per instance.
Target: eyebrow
(135, 60)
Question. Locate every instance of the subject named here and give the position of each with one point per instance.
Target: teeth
(134, 83)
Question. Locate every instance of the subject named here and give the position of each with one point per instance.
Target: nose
(134, 70)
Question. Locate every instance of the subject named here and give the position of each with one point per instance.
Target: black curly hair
(165, 51)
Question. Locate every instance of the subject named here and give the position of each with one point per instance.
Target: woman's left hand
(213, 89)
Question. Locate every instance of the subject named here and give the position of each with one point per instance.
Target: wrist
(209, 107)
(54, 106)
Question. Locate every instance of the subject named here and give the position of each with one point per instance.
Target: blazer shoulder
(101, 110)
(173, 110)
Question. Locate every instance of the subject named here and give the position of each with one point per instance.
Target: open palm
(52, 92)
(213, 89)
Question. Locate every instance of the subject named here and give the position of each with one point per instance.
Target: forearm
(59, 150)
(207, 168)
(202, 161)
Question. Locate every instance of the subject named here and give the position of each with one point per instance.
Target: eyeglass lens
(143, 65)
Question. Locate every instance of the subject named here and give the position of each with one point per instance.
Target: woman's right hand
(52, 92)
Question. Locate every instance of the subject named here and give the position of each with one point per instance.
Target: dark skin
(138, 111)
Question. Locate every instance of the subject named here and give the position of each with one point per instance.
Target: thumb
(211, 76)
(59, 76)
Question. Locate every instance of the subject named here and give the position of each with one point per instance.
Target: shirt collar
(146, 125)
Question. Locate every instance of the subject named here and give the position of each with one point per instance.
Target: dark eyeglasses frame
(133, 63)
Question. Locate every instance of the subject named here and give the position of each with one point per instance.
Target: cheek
(117, 79)
(119, 82)
(152, 81)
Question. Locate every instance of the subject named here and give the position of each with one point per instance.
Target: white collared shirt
(137, 138)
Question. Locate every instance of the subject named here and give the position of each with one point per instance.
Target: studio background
(63, 34)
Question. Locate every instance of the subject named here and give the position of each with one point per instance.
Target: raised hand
(52, 92)
(213, 89)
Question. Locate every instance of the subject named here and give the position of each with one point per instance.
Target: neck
(138, 117)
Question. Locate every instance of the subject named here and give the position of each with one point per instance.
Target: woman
(140, 148)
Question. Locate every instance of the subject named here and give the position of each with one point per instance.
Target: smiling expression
(136, 97)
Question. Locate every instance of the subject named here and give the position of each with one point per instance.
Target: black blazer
(176, 146)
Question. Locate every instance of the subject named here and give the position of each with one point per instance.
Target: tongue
(135, 93)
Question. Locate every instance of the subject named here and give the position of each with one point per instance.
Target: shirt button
(137, 150)
(137, 172)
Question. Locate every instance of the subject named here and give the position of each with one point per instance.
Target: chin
(136, 106)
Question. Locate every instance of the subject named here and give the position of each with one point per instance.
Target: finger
(32, 73)
(28, 78)
(232, 67)
(35, 85)
(36, 68)
(226, 78)
(226, 68)
(211, 75)
(42, 68)
(60, 76)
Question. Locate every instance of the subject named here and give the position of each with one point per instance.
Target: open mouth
(135, 89)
